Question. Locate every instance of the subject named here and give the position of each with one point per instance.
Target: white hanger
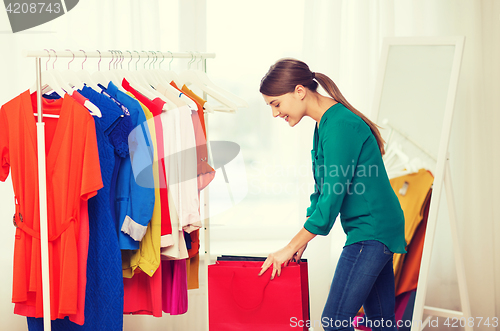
(125, 74)
(152, 94)
(94, 110)
(208, 107)
(163, 86)
(85, 76)
(398, 163)
(411, 167)
(166, 92)
(113, 74)
(98, 76)
(195, 77)
(149, 77)
(49, 81)
(104, 77)
(169, 75)
(189, 77)
(395, 158)
(120, 73)
(175, 93)
(71, 77)
(206, 80)
(139, 83)
(166, 77)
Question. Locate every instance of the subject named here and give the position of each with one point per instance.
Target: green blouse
(350, 179)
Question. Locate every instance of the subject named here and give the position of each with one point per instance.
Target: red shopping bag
(241, 300)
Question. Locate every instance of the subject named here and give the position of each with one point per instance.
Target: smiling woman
(287, 83)
(370, 212)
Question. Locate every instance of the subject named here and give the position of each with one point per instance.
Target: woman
(351, 180)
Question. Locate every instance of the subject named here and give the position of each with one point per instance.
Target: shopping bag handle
(238, 300)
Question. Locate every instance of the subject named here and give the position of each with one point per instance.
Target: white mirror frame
(442, 179)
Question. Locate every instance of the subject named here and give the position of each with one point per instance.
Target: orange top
(73, 174)
(410, 269)
(199, 103)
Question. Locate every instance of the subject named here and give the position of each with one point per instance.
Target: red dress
(73, 175)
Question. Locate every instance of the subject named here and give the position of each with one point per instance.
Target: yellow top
(147, 258)
(413, 203)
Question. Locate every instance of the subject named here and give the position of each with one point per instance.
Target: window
(271, 180)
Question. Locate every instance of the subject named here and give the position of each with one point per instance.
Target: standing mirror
(413, 104)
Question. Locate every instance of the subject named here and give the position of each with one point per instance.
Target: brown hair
(286, 74)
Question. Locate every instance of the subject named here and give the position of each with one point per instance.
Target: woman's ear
(300, 92)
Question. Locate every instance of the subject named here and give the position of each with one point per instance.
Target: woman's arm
(295, 248)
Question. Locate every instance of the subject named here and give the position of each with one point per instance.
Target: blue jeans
(364, 277)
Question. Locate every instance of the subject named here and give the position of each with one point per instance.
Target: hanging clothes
(205, 174)
(147, 257)
(155, 106)
(180, 168)
(410, 269)
(82, 249)
(143, 294)
(73, 174)
(174, 291)
(166, 289)
(199, 102)
(181, 164)
(143, 278)
(104, 297)
(143, 282)
(109, 226)
(413, 200)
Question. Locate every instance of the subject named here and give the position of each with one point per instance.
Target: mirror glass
(414, 93)
(411, 110)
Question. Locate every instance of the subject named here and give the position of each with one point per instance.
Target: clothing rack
(38, 55)
(393, 129)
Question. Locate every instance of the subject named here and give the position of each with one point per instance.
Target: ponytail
(331, 88)
(287, 73)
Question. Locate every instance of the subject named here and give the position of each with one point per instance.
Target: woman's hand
(276, 259)
(291, 252)
(297, 256)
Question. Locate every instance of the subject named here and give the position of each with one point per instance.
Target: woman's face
(287, 106)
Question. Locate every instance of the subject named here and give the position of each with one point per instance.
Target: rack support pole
(42, 194)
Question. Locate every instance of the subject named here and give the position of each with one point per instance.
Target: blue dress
(104, 291)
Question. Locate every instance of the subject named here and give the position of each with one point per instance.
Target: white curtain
(343, 39)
